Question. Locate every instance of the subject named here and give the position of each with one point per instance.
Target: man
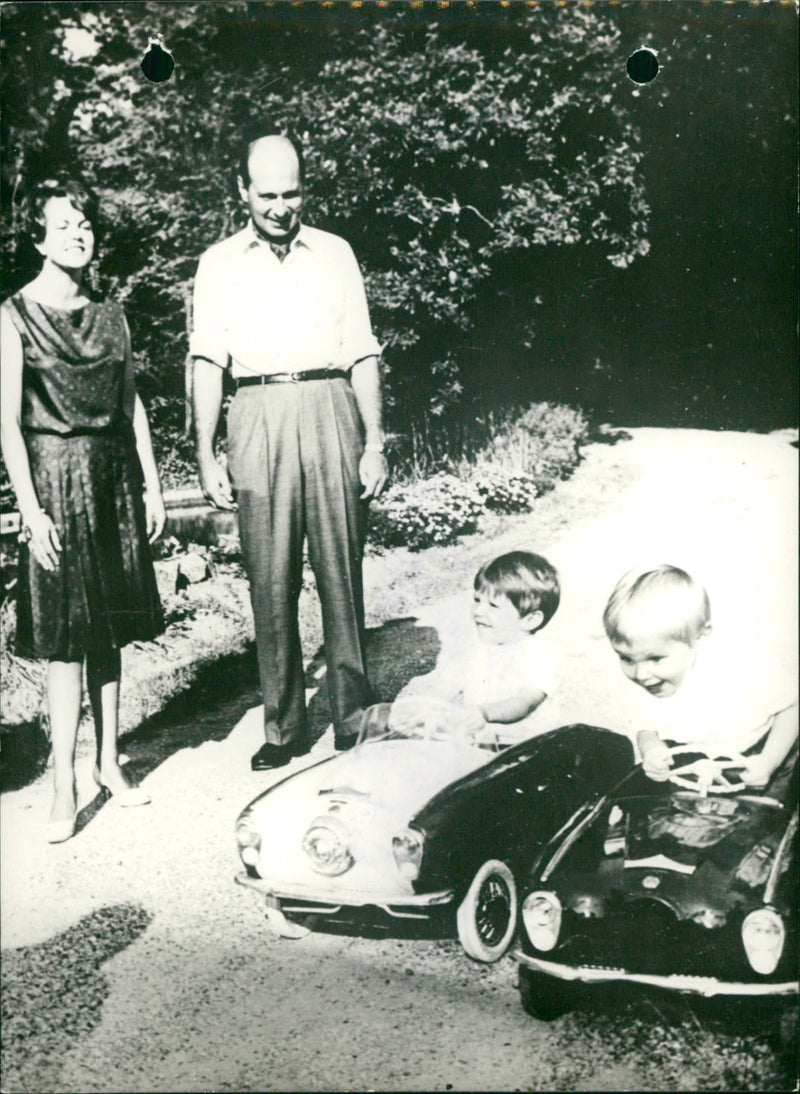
(283, 306)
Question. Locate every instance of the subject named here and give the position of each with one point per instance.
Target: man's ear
(241, 188)
(532, 621)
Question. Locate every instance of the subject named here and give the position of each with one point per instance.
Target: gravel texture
(133, 963)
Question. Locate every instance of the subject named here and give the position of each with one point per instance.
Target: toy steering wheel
(707, 775)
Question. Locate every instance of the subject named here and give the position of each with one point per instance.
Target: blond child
(658, 621)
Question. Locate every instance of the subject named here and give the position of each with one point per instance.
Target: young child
(658, 621)
(501, 675)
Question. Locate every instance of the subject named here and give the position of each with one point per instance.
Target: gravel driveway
(133, 963)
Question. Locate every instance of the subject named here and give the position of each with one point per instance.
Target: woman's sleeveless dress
(88, 480)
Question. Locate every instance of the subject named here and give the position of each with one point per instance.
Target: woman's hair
(62, 186)
(529, 581)
(658, 601)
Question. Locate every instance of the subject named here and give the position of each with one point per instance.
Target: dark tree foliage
(449, 152)
(494, 168)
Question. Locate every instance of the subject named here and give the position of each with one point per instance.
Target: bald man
(282, 305)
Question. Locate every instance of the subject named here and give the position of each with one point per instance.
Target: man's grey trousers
(293, 455)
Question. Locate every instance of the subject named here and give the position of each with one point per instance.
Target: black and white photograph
(398, 545)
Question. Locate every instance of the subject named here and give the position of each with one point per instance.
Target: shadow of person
(223, 691)
(53, 993)
(397, 651)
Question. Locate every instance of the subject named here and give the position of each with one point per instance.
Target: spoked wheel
(487, 915)
(545, 997)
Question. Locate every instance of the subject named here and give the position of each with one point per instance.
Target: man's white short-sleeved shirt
(259, 315)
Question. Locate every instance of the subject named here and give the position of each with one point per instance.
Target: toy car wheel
(544, 997)
(487, 915)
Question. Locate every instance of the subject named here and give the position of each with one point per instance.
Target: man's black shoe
(342, 744)
(271, 756)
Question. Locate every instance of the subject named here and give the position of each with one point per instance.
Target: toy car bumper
(695, 985)
(305, 897)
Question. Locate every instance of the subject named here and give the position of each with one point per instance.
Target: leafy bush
(423, 514)
(504, 489)
(544, 443)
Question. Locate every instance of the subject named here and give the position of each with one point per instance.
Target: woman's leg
(102, 679)
(64, 709)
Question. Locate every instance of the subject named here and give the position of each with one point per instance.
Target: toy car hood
(372, 792)
(701, 857)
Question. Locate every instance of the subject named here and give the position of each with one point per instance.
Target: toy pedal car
(416, 817)
(676, 890)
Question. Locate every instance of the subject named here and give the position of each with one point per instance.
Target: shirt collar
(252, 239)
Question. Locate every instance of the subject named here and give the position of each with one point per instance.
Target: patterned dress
(88, 479)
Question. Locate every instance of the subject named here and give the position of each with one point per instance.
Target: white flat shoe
(130, 796)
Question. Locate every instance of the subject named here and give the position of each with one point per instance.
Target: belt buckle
(295, 376)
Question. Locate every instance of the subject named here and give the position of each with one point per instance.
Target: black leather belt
(293, 377)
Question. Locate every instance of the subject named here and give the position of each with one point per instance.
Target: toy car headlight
(407, 851)
(763, 935)
(325, 843)
(248, 841)
(541, 914)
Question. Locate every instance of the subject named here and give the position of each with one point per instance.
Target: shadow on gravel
(397, 651)
(53, 993)
(226, 690)
(220, 696)
(606, 434)
(23, 754)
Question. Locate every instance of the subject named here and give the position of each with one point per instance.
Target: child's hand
(469, 719)
(758, 771)
(656, 762)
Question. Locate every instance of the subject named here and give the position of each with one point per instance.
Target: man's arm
(207, 403)
(365, 378)
(207, 345)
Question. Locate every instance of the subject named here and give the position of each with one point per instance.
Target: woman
(76, 443)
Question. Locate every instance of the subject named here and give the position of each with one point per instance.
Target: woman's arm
(134, 408)
(37, 525)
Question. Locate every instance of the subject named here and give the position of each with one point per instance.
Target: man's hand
(656, 762)
(758, 771)
(156, 514)
(215, 484)
(373, 472)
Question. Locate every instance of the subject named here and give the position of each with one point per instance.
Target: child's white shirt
(724, 704)
(491, 673)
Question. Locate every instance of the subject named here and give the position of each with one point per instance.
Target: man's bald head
(273, 147)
